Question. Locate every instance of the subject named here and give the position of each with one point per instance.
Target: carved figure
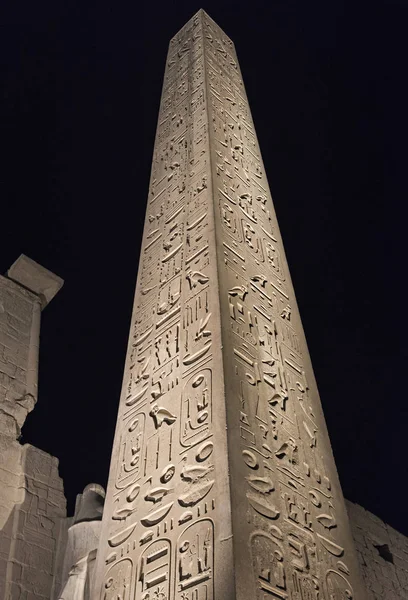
(161, 415)
(83, 538)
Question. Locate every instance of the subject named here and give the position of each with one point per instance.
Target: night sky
(81, 84)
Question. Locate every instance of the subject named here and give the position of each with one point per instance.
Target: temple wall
(19, 313)
(382, 553)
(59, 565)
(29, 538)
(32, 501)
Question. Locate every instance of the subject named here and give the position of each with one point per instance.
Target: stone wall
(382, 553)
(32, 502)
(29, 538)
(19, 318)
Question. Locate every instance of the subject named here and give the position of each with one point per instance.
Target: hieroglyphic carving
(153, 579)
(131, 450)
(195, 568)
(164, 473)
(117, 580)
(337, 586)
(196, 409)
(268, 565)
(274, 416)
(215, 328)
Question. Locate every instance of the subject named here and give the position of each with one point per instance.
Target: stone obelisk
(222, 483)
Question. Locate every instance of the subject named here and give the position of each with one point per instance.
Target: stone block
(31, 596)
(13, 343)
(402, 577)
(9, 480)
(16, 571)
(16, 391)
(36, 537)
(21, 327)
(19, 301)
(376, 586)
(398, 541)
(400, 562)
(377, 535)
(21, 374)
(36, 581)
(389, 573)
(8, 368)
(35, 278)
(5, 541)
(3, 567)
(5, 380)
(37, 465)
(8, 425)
(33, 556)
(359, 537)
(15, 591)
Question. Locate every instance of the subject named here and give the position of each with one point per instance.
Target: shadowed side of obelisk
(290, 527)
(166, 529)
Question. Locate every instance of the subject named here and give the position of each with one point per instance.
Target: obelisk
(222, 483)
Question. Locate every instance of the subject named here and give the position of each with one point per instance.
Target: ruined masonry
(382, 553)
(32, 501)
(222, 483)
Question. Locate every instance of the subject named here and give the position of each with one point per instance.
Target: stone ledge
(35, 278)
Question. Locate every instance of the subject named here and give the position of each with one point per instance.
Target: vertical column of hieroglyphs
(158, 532)
(291, 534)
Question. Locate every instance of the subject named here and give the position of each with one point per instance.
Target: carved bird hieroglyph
(161, 415)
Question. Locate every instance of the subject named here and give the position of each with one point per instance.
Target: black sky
(81, 85)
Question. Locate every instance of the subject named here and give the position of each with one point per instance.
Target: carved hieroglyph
(222, 482)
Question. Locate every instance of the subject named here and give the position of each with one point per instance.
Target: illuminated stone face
(32, 500)
(222, 482)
